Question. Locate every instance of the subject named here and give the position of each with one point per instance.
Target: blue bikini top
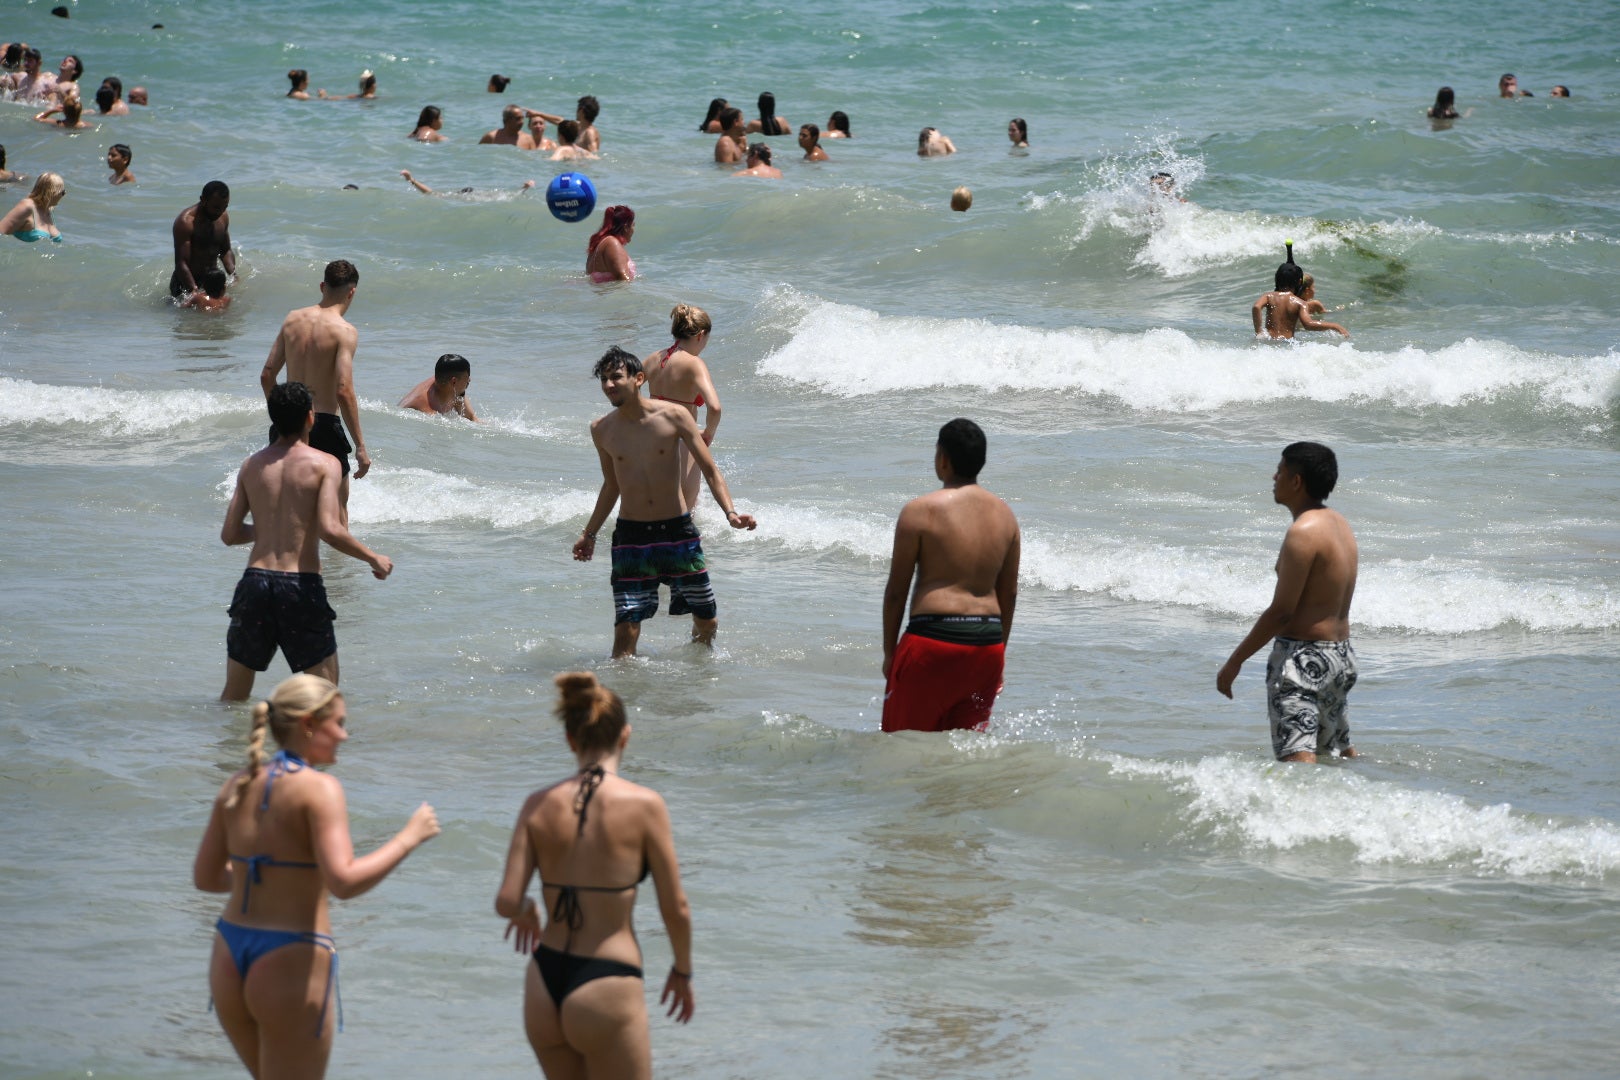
(29, 236)
(283, 763)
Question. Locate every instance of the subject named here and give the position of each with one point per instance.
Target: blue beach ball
(571, 196)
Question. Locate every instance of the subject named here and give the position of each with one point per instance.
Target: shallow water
(1116, 880)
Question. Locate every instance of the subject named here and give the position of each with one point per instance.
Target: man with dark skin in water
(1312, 666)
(316, 344)
(202, 239)
(654, 540)
(961, 545)
(290, 489)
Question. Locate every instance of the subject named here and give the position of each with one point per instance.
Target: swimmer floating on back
(1285, 310)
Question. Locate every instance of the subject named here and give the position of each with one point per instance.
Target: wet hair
(449, 366)
(31, 53)
(427, 116)
(922, 139)
(351, 187)
(105, 96)
(1503, 81)
(963, 443)
(72, 110)
(214, 282)
(716, 106)
(116, 83)
(1289, 273)
(213, 188)
(1560, 87)
(498, 84)
(568, 131)
(614, 359)
(688, 321)
(14, 55)
(291, 701)
(616, 220)
(588, 107)
(289, 404)
(1315, 464)
(1445, 103)
(341, 274)
(128, 154)
(760, 150)
(78, 66)
(299, 79)
(962, 199)
(1156, 177)
(1306, 284)
(48, 190)
(815, 133)
(368, 82)
(592, 714)
(2, 156)
(838, 122)
(730, 118)
(61, 11)
(1023, 129)
(767, 114)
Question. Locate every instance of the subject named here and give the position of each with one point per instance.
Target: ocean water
(1116, 880)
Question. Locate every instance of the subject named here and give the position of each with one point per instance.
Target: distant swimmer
(654, 539)
(110, 97)
(810, 143)
(837, 126)
(679, 374)
(511, 132)
(118, 158)
(768, 123)
(605, 257)
(1164, 187)
(961, 545)
(291, 490)
(278, 842)
(732, 146)
(300, 85)
(425, 190)
(711, 123)
(593, 838)
(537, 132)
(429, 123)
(72, 110)
(137, 95)
(1018, 133)
(585, 113)
(962, 199)
(1508, 86)
(1445, 105)
(368, 90)
(1278, 314)
(931, 143)
(202, 239)
(211, 297)
(759, 163)
(1560, 91)
(1312, 666)
(498, 84)
(446, 392)
(316, 345)
(567, 146)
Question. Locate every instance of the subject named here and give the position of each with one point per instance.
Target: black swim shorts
(280, 608)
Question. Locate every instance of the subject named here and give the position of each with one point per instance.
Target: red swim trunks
(946, 674)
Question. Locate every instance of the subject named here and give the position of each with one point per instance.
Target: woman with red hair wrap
(605, 257)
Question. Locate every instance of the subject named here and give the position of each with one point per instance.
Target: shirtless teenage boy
(291, 491)
(732, 146)
(202, 238)
(446, 392)
(654, 539)
(1282, 312)
(1312, 666)
(961, 544)
(316, 344)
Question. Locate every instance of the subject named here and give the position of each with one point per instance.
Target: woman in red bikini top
(678, 374)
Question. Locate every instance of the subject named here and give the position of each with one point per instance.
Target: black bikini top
(567, 910)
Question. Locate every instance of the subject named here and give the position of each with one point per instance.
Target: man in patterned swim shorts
(654, 540)
(1312, 666)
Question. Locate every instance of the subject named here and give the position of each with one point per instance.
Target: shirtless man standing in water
(654, 540)
(202, 238)
(316, 344)
(962, 546)
(1312, 665)
(1280, 313)
(291, 491)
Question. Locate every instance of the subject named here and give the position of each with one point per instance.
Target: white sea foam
(833, 348)
(113, 412)
(424, 497)
(1283, 809)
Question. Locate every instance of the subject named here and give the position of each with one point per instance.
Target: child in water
(211, 297)
(1288, 308)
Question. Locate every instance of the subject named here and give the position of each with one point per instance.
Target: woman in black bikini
(593, 838)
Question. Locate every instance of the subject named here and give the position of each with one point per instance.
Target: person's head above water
(290, 405)
(617, 221)
(1315, 465)
(430, 116)
(498, 84)
(48, 190)
(568, 132)
(614, 359)
(106, 97)
(963, 444)
(1018, 130)
(730, 119)
(368, 82)
(72, 110)
(716, 105)
(118, 156)
(450, 365)
(214, 282)
(591, 714)
(214, 200)
(760, 152)
(586, 110)
(1289, 273)
(839, 122)
(1560, 91)
(299, 79)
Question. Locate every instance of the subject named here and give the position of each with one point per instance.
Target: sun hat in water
(571, 196)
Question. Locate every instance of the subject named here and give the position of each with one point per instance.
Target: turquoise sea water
(1117, 880)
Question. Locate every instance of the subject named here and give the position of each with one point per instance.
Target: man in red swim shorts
(961, 546)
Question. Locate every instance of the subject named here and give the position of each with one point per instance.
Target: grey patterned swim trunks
(1306, 686)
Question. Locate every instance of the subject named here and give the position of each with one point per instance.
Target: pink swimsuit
(599, 276)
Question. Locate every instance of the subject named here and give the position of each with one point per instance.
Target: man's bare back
(287, 490)
(310, 344)
(966, 540)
